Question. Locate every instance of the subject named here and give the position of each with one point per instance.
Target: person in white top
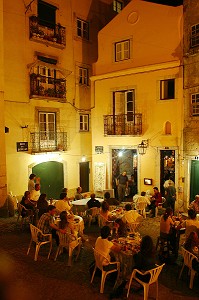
(131, 215)
(63, 204)
(104, 246)
(34, 194)
(142, 198)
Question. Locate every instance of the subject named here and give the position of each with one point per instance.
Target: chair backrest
(35, 233)
(155, 273)
(133, 226)
(141, 205)
(100, 259)
(94, 211)
(188, 258)
(65, 239)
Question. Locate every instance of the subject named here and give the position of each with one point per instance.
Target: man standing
(122, 183)
(170, 195)
(34, 194)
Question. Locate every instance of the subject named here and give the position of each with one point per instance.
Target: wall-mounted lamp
(83, 158)
(142, 147)
(26, 126)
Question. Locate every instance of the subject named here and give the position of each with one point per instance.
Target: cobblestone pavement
(50, 280)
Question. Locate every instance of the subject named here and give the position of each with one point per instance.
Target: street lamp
(142, 147)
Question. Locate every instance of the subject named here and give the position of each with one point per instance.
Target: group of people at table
(115, 236)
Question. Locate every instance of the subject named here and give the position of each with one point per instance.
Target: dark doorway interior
(167, 167)
(84, 176)
(124, 160)
(194, 189)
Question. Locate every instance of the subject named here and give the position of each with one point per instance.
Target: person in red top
(155, 200)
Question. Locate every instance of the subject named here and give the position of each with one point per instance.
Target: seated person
(46, 223)
(63, 203)
(78, 195)
(142, 199)
(155, 200)
(42, 205)
(109, 200)
(131, 215)
(192, 245)
(104, 246)
(34, 194)
(30, 207)
(191, 222)
(167, 228)
(195, 204)
(119, 229)
(65, 224)
(93, 202)
(145, 259)
(104, 211)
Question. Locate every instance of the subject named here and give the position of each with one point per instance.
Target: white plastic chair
(99, 259)
(154, 273)
(93, 213)
(40, 239)
(188, 258)
(133, 226)
(140, 207)
(69, 242)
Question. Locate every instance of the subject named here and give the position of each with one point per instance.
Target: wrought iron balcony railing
(48, 141)
(47, 86)
(123, 124)
(54, 36)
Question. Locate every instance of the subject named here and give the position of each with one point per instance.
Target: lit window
(122, 50)
(82, 29)
(195, 104)
(167, 89)
(195, 35)
(84, 122)
(83, 76)
(117, 5)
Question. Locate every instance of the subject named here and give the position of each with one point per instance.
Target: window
(195, 35)
(84, 122)
(124, 103)
(195, 104)
(83, 76)
(167, 89)
(82, 29)
(46, 14)
(117, 5)
(47, 130)
(122, 50)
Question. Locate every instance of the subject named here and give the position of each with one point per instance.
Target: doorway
(52, 178)
(125, 160)
(167, 167)
(84, 172)
(194, 189)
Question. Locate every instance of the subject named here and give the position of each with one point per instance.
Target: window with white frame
(167, 89)
(83, 76)
(82, 29)
(117, 6)
(84, 122)
(195, 35)
(195, 104)
(47, 125)
(122, 50)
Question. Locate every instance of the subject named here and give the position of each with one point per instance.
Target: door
(167, 167)
(47, 130)
(194, 188)
(52, 178)
(84, 171)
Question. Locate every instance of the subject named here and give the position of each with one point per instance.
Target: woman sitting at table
(145, 259)
(29, 206)
(65, 224)
(42, 205)
(131, 215)
(119, 229)
(191, 224)
(167, 228)
(192, 245)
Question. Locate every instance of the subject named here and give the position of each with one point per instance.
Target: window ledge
(37, 97)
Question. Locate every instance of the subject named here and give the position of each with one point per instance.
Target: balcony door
(47, 130)
(123, 110)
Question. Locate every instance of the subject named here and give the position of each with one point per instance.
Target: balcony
(48, 141)
(47, 87)
(123, 124)
(55, 37)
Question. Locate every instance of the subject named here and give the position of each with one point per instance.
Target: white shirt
(62, 205)
(34, 195)
(104, 246)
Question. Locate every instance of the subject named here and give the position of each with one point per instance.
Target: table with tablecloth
(80, 206)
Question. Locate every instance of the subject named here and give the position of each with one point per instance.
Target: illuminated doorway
(167, 167)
